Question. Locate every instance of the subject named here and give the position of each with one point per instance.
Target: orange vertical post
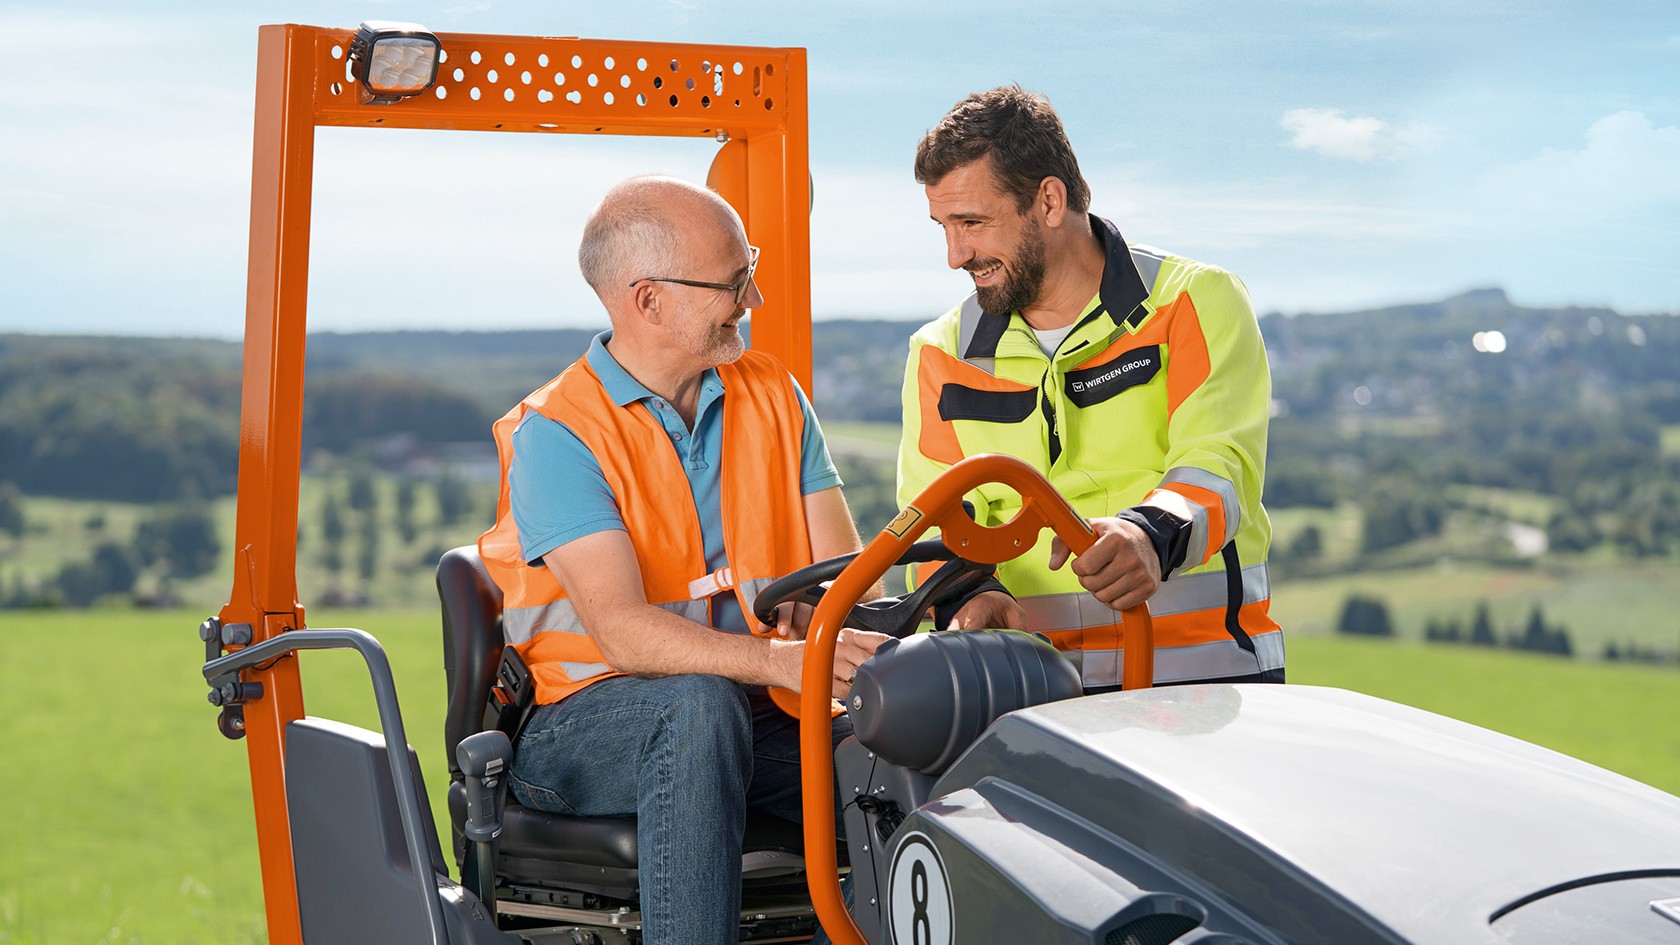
(270, 432)
(779, 215)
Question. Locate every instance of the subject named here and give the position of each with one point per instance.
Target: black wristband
(1167, 532)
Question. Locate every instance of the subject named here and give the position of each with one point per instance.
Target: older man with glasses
(648, 492)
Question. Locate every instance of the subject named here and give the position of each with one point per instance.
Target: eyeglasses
(739, 288)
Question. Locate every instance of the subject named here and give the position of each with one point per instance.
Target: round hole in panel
(641, 65)
(690, 84)
(508, 59)
(608, 62)
(542, 60)
(739, 68)
(491, 75)
(577, 62)
(673, 101)
(443, 56)
(705, 101)
(442, 92)
(623, 81)
(758, 82)
(608, 98)
(737, 103)
(574, 96)
(594, 80)
(525, 77)
(559, 78)
(338, 52)
(769, 103)
(544, 95)
(769, 68)
(507, 95)
(641, 99)
(460, 74)
(675, 65)
(705, 65)
(658, 82)
(472, 93)
(336, 88)
(476, 58)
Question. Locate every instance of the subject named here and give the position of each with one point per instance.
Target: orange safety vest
(764, 532)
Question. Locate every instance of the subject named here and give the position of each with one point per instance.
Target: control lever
(484, 759)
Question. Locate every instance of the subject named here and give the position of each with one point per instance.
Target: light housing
(392, 61)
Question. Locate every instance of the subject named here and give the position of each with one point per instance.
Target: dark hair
(1018, 131)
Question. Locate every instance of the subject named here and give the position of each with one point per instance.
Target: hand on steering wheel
(894, 616)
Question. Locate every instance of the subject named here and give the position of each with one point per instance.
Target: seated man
(648, 492)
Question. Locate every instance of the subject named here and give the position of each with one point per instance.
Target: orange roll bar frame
(754, 98)
(940, 504)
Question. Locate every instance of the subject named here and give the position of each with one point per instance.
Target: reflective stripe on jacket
(1161, 396)
(764, 533)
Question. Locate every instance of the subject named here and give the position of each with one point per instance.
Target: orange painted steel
(939, 505)
(753, 97)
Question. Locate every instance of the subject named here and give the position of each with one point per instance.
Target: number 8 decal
(919, 895)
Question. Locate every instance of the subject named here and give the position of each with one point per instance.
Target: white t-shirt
(1051, 338)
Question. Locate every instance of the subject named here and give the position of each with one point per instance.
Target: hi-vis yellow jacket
(1160, 396)
(764, 531)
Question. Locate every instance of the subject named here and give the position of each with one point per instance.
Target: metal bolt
(856, 789)
(215, 697)
(871, 900)
(866, 850)
(237, 634)
(857, 703)
(210, 629)
(723, 137)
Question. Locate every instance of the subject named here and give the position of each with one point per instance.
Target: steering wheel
(894, 616)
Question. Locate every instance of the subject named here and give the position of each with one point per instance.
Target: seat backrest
(472, 643)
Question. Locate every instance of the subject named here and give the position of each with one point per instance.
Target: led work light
(393, 60)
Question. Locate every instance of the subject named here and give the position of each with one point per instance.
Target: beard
(711, 342)
(1023, 280)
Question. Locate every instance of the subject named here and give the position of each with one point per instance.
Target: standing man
(648, 492)
(1134, 379)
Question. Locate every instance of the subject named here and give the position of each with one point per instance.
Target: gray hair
(633, 233)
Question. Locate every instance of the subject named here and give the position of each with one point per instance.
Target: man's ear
(1051, 201)
(645, 299)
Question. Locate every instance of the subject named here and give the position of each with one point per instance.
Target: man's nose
(957, 253)
(753, 298)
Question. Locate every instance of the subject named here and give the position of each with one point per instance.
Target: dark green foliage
(1365, 616)
(454, 499)
(333, 531)
(12, 521)
(1397, 512)
(117, 566)
(363, 496)
(367, 556)
(1481, 627)
(183, 538)
(406, 527)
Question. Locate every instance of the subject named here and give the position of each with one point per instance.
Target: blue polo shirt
(558, 493)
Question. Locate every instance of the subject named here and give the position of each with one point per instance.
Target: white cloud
(1625, 171)
(1360, 138)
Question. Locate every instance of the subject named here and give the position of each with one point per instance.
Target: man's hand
(854, 647)
(989, 610)
(792, 621)
(1121, 569)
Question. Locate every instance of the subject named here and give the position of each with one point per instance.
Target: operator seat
(557, 856)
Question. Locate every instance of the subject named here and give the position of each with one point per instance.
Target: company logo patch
(1097, 384)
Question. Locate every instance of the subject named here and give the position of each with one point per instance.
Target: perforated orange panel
(572, 85)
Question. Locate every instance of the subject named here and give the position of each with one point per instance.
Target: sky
(1335, 154)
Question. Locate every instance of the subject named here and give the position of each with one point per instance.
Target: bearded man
(1134, 379)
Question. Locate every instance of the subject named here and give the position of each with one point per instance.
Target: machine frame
(752, 100)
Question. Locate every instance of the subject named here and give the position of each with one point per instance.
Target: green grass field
(130, 817)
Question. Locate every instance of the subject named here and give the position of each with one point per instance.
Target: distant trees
(454, 499)
(1365, 616)
(11, 510)
(183, 538)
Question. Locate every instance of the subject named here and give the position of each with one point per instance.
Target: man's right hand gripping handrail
(939, 505)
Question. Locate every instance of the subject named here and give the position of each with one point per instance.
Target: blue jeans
(687, 755)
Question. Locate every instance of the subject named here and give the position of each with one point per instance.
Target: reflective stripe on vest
(1217, 660)
(1202, 544)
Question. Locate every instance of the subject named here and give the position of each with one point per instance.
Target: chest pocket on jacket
(1090, 386)
(957, 402)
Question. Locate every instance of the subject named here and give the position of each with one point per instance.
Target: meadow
(131, 818)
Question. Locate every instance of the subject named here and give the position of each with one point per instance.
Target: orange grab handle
(940, 504)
